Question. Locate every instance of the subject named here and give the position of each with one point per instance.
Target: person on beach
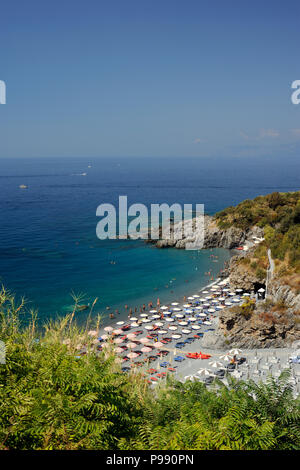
(150, 304)
(126, 307)
(144, 307)
(158, 302)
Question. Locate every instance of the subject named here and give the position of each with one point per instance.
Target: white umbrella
(146, 320)
(131, 336)
(170, 320)
(155, 316)
(196, 327)
(118, 341)
(118, 332)
(158, 345)
(104, 337)
(246, 294)
(189, 311)
(216, 364)
(226, 357)
(108, 328)
(134, 324)
(238, 290)
(202, 314)
(231, 294)
(144, 315)
(236, 301)
(164, 307)
(186, 331)
(144, 340)
(192, 319)
(228, 303)
(162, 332)
(196, 296)
(182, 323)
(174, 303)
(179, 315)
(153, 311)
(93, 333)
(176, 336)
(173, 328)
(148, 327)
(204, 372)
(187, 305)
(177, 309)
(120, 323)
(235, 351)
(190, 298)
(206, 322)
(131, 345)
(159, 323)
(199, 308)
(166, 312)
(133, 319)
(205, 292)
(211, 310)
(132, 355)
(119, 350)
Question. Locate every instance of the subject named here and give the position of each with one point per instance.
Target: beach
(168, 340)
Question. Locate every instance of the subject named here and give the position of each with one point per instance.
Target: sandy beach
(163, 340)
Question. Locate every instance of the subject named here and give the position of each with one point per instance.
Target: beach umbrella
(131, 345)
(190, 298)
(206, 305)
(196, 296)
(106, 345)
(107, 328)
(199, 308)
(145, 349)
(225, 289)
(196, 327)
(133, 319)
(132, 355)
(236, 301)
(158, 345)
(211, 310)
(216, 364)
(146, 320)
(214, 301)
(192, 319)
(134, 324)
(154, 317)
(149, 327)
(153, 311)
(205, 292)
(231, 294)
(144, 340)
(235, 351)
(118, 341)
(206, 322)
(144, 315)
(93, 333)
(118, 332)
(162, 332)
(164, 307)
(204, 372)
(179, 315)
(186, 331)
(159, 323)
(175, 303)
(131, 336)
(226, 357)
(208, 297)
(177, 309)
(173, 328)
(246, 294)
(228, 303)
(189, 311)
(202, 300)
(187, 305)
(176, 336)
(166, 312)
(119, 350)
(170, 320)
(104, 337)
(221, 299)
(120, 323)
(202, 315)
(238, 290)
(220, 307)
(182, 323)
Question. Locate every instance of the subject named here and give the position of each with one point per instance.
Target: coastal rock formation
(241, 277)
(213, 235)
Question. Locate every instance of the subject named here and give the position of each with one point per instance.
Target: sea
(49, 250)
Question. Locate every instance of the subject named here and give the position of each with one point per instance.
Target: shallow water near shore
(48, 243)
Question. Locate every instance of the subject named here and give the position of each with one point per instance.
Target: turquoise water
(48, 243)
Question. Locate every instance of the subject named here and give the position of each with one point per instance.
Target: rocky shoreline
(273, 323)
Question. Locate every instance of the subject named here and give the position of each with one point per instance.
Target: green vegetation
(279, 215)
(52, 399)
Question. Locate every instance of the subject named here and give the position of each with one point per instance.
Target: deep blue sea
(48, 243)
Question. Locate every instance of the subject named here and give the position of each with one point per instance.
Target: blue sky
(149, 78)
